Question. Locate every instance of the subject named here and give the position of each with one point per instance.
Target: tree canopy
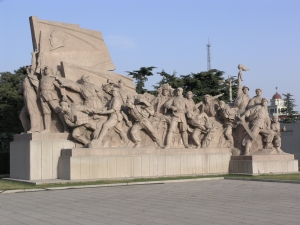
(140, 77)
(207, 82)
(11, 102)
(291, 114)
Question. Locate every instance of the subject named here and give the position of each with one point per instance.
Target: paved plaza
(203, 202)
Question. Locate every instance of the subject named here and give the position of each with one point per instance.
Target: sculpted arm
(69, 122)
(249, 112)
(169, 105)
(217, 96)
(69, 84)
(148, 105)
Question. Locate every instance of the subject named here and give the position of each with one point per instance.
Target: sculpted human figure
(29, 90)
(178, 105)
(228, 117)
(90, 93)
(140, 110)
(256, 100)
(275, 127)
(209, 105)
(123, 92)
(200, 123)
(77, 117)
(50, 100)
(57, 39)
(190, 101)
(242, 99)
(259, 124)
(158, 102)
(115, 118)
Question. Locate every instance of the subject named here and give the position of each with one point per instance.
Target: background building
(276, 106)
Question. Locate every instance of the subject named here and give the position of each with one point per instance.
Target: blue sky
(172, 35)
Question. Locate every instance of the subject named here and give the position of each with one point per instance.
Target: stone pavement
(206, 202)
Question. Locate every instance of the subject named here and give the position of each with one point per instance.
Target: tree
(289, 103)
(11, 104)
(140, 77)
(207, 82)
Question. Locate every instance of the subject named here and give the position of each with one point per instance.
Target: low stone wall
(116, 163)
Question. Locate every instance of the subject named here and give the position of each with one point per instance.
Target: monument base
(35, 156)
(120, 163)
(263, 164)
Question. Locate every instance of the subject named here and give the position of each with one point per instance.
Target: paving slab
(208, 202)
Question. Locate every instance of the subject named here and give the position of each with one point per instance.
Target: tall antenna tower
(208, 56)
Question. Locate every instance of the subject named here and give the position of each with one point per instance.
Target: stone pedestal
(112, 163)
(35, 156)
(263, 164)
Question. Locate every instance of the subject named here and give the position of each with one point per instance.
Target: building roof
(277, 96)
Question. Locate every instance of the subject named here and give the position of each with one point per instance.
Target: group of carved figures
(111, 115)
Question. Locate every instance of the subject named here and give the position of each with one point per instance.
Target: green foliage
(207, 82)
(140, 77)
(11, 102)
(289, 103)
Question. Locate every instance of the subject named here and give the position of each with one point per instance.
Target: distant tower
(208, 56)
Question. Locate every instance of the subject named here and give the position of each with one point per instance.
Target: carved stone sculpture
(77, 117)
(140, 110)
(165, 93)
(200, 124)
(241, 69)
(178, 105)
(275, 127)
(50, 99)
(29, 90)
(229, 118)
(242, 98)
(259, 124)
(256, 100)
(209, 104)
(189, 97)
(90, 93)
(114, 121)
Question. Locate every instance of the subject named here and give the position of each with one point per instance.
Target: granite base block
(263, 164)
(36, 156)
(118, 163)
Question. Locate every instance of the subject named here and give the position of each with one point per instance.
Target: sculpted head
(115, 92)
(85, 79)
(121, 83)
(275, 119)
(179, 91)
(165, 90)
(57, 39)
(189, 95)
(258, 92)
(264, 102)
(206, 98)
(129, 102)
(245, 89)
(64, 107)
(48, 70)
(222, 104)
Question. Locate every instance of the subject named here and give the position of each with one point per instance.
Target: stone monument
(87, 122)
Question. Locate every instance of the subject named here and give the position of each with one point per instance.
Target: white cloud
(123, 43)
